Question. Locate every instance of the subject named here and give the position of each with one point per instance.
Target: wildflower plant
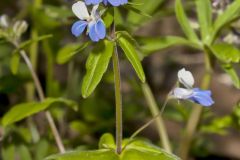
(100, 31)
(105, 48)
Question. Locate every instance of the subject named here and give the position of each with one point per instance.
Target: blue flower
(196, 95)
(202, 97)
(95, 26)
(112, 2)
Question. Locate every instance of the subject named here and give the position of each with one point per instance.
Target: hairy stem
(118, 99)
(195, 116)
(159, 121)
(42, 97)
(118, 94)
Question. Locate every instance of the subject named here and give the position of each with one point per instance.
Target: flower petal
(105, 2)
(94, 12)
(80, 10)
(117, 2)
(94, 2)
(92, 32)
(100, 29)
(182, 93)
(186, 78)
(202, 97)
(78, 27)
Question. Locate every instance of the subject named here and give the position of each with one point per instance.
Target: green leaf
(147, 8)
(108, 17)
(15, 61)
(184, 22)
(70, 50)
(133, 9)
(131, 55)
(103, 154)
(141, 150)
(24, 152)
(226, 53)
(218, 125)
(228, 68)
(231, 13)
(137, 150)
(42, 148)
(24, 110)
(152, 44)
(96, 66)
(107, 141)
(8, 152)
(204, 12)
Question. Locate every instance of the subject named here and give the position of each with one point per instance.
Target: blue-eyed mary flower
(93, 22)
(202, 97)
(112, 2)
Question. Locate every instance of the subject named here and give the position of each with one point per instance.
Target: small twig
(131, 139)
(151, 121)
(42, 97)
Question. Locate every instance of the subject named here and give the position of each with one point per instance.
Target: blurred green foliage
(60, 63)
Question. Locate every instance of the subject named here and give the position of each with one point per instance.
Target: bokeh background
(96, 114)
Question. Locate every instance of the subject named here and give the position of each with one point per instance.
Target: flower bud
(4, 21)
(20, 27)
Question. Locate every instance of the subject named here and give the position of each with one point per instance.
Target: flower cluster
(202, 97)
(112, 2)
(12, 30)
(95, 26)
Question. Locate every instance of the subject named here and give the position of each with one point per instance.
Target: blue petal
(124, 2)
(117, 2)
(92, 32)
(202, 97)
(105, 2)
(94, 2)
(100, 29)
(78, 27)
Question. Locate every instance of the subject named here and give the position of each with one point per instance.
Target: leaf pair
(98, 61)
(137, 150)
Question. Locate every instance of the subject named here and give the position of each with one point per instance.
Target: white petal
(182, 93)
(80, 10)
(186, 78)
(94, 11)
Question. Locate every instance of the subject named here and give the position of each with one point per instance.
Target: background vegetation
(200, 35)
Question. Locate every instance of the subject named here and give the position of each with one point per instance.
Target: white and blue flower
(112, 2)
(202, 97)
(95, 26)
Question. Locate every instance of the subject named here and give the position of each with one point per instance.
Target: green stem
(118, 99)
(118, 95)
(195, 116)
(159, 121)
